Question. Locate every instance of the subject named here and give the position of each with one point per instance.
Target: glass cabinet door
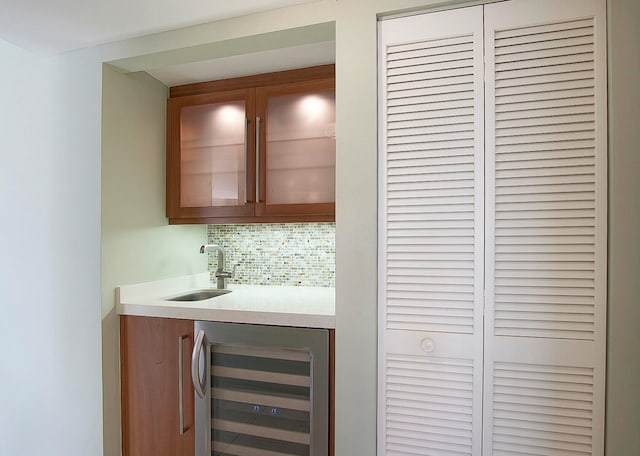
(299, 148)
(211, 142)
(212, 159)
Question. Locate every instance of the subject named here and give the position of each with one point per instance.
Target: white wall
(50, 387)
(137, 243)
(623, 360)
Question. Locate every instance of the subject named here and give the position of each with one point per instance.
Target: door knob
(427, 345)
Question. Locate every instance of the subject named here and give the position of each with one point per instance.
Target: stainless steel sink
(199, 295)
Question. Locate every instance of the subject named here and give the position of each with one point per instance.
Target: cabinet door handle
(182, 429)
(257, 159)
(246, 158)
(195, 365)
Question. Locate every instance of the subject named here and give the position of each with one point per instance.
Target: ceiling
(50, 27)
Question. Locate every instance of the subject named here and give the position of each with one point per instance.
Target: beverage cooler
(260, 390)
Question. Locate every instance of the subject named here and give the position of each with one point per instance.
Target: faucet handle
(227, 274)
(233, 271)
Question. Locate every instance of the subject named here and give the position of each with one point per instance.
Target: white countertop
(309, 307)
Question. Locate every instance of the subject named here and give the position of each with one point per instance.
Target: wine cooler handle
(195, 365)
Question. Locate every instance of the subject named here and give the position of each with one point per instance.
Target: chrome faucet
(221, 274)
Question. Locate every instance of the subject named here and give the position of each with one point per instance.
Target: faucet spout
(221, 274)
(222, 258)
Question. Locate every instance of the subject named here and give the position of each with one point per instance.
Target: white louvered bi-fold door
(431, 235)
(546, 228)
(492, 230)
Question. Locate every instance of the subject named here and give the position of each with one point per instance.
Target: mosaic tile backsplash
(295, 254)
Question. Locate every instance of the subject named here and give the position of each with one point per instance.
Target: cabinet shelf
(300, 139)
(202, 144)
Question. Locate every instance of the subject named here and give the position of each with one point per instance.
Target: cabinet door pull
(257, 159)
(246, 157)
(182, 429)
(195, 365)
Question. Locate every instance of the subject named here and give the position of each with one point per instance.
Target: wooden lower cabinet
(150, 379)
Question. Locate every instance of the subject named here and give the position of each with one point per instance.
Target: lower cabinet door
(157, 394)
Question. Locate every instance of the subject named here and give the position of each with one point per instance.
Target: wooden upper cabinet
(254, 149)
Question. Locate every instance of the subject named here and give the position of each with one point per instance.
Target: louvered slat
(546, 151)
(430, 136)
(429, 405)
(542, 409)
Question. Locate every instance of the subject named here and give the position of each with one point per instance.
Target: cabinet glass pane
(260, 401)
(212, 160)
(301, 148)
